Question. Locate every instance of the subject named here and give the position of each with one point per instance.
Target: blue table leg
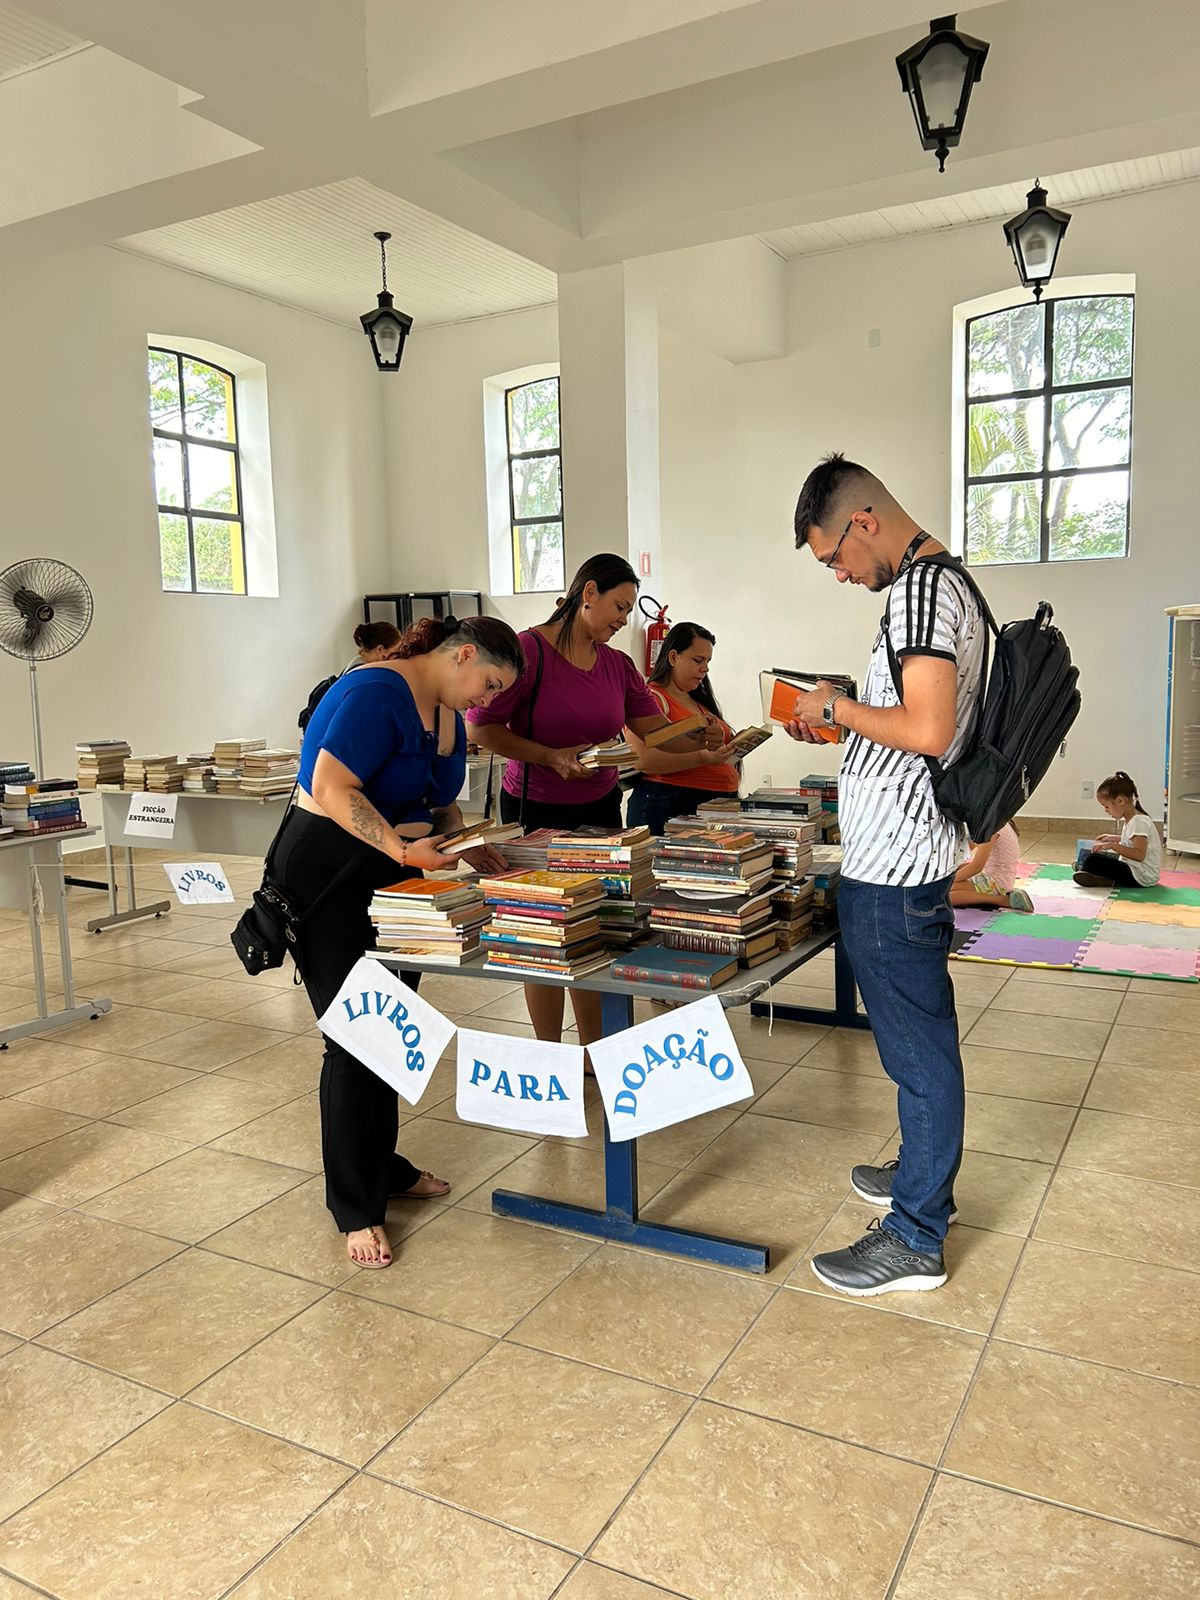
(845, 1013)
(619, 1220)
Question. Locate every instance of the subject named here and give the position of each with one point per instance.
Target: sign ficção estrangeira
(667, 1070)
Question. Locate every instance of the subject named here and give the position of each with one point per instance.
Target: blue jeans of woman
(898, 942)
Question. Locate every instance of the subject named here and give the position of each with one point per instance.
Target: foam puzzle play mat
(1139, 933)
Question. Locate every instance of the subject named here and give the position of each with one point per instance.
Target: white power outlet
(766, 780)
(1087, 791)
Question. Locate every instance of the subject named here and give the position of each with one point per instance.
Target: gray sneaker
(878, 1263)
(874, 1185)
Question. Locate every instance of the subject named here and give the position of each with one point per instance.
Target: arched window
(1046, 430)
(197, 474)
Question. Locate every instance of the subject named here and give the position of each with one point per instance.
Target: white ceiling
(1065, 189)
(27, 41)
(314, 250)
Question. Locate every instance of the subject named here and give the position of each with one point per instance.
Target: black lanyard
(906, 560)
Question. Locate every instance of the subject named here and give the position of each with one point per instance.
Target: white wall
(167, 671)
(435, 456)
(738, 442)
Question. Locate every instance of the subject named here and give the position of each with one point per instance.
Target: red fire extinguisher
(656, 630)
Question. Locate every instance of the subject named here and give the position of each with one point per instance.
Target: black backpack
(314, 700)
(1029, 700)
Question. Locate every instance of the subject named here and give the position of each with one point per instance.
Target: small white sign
(388, 1027)
(669, 1069)
(198, 883)
(152, 815)
(528, 1085)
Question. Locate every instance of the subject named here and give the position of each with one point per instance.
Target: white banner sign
(673, 1067)
(388, 1027)
(152, 815)
(525, 1084)
(197, 883)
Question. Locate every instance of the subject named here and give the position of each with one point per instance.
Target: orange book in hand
(779, 705)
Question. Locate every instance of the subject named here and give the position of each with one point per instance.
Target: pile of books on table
(528, 853)
(822, 786)
(621, 860)
(789, 834)
(18, 774)
(612, 753)
(268, 772)
(740, 927)
(46, 806)
(152, 774)
(228, 756)
(544, 924)
(101, 762)
(198, 773)
(435, 919)
(792, 907)
(826, 873)
(720, 858)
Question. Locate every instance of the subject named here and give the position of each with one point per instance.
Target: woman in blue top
(380, 767)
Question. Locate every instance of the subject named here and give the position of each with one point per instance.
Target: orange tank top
(718, 780)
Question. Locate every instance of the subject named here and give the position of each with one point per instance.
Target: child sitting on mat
(989, 875)
(1132, 858)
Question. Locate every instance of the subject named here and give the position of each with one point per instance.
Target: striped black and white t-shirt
(892, 830)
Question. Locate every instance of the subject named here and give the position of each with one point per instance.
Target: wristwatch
(827, 708)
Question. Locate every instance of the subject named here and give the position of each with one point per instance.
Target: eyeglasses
(830, 561)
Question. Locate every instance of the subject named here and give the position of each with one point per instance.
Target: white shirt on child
(1147, 870)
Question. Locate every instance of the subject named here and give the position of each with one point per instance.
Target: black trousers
(360, 1116)
(602, 813)
(654, 804)
(1110, 867)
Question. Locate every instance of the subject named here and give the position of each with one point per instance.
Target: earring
(586, 606)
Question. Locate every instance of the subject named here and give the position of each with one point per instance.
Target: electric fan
(45, 610)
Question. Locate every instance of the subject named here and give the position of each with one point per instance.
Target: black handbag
(270, 926)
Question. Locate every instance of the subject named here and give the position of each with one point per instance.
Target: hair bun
(450, 623)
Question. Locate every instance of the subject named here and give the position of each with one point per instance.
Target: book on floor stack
(621, 859)
(45, 806)
(434, 919)
(716, 859)
(266, 773)
(792, 907)
(198, 773)
(612, 753)
(152, 774)
(101, 763)
(544, 923)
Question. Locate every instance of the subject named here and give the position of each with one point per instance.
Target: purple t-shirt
(573, 707)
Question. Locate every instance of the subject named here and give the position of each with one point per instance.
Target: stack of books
(612, 753)
(528, 853)
(791, 838)
(435, 919)
(680, 969)
(622, 862)
(544, 923)
(489, 832)
(714, 859)
(18, 774)
(152, 774)
(792, 906)
(740, 928)
(48, 806)
(826, 873)
(198, 773)
(101, 762)
(798, 802)
(268, 772)
(228, 756)
(823, 787)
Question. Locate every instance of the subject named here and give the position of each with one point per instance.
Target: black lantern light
(938, 74)
(386, 327)
(1034, 238)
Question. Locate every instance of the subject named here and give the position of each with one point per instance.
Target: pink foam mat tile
(1180, 880)
(1138, 961)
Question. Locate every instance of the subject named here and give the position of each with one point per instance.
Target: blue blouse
(368, 720)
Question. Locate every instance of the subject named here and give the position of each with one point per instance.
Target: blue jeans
(654, 804)
(898, 942)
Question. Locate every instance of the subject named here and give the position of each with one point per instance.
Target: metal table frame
(46, 852)
(620, 1219)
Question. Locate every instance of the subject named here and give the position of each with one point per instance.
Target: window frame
(515, 523)
(1047, 392)
(183, 439)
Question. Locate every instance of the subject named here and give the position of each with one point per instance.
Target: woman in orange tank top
(670, 785)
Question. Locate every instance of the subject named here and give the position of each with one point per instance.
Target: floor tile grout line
(35, 1588)
(1067, 1505)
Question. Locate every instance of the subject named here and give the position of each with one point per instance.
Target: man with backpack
(900, 852)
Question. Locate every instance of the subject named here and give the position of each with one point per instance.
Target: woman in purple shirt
(576, 691)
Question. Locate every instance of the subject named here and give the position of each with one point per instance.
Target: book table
(211, 825)
(31, 877)
(620, 1219)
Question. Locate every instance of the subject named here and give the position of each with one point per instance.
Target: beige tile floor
(200, 1397)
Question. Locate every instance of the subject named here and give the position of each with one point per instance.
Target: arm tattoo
(365, 820)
